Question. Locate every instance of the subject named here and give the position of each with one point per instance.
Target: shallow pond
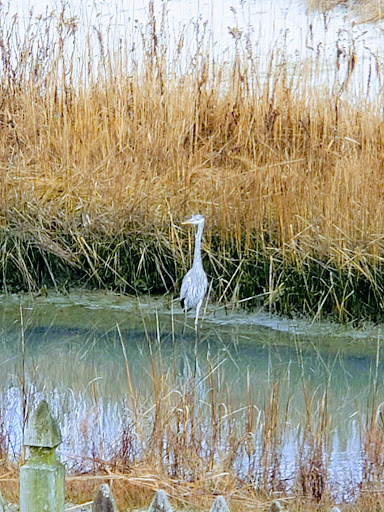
(87, 353)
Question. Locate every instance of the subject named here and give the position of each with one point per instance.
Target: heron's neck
(198, 237)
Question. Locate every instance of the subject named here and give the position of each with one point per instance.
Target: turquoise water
(78, 348)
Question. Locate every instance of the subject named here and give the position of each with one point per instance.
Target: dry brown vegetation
(365, 11)
(101, 160)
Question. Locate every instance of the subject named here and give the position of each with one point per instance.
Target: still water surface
(74, 357)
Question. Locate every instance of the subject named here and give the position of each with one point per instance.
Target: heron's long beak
(187, 222)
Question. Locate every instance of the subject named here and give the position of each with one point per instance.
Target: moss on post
(42, 476)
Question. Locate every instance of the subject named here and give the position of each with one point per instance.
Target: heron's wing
(193, 289)
(185, 285)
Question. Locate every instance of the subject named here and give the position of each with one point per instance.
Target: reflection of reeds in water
(194, 436)
(102, 158)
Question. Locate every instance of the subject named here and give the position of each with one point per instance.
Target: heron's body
(195, 282)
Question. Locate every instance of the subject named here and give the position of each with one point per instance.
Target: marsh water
(73, 350)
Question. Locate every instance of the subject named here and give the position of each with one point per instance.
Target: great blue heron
(195, 282)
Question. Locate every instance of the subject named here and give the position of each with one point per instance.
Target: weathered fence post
(219, 505)
(104, 501)
(2, 504)
(160, 503)
(42, 476)
(276, 506)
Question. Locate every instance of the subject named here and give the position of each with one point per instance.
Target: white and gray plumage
(195, 282)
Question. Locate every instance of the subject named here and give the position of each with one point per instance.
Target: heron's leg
(185, 320)
(197, 313)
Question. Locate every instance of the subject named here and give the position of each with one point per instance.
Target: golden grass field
(99, 166)
(289, 178)
(101, 161)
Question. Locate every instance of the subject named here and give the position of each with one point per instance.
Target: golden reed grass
(365, 12)
(287, 174)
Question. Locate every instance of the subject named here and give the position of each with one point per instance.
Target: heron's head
(196, 220)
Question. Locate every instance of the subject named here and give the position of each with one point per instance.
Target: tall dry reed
(102, 156)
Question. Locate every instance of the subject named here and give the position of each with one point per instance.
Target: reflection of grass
(100, 162)
(191, 429)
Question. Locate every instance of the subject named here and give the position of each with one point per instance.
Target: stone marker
(276, 506)
(160, 503)
(219, 505)
(42, 476)
(2, 503)
(104, 501)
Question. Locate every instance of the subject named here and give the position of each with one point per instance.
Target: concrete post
(2, 504)
(219, 505)
(276, 506)
(160, 503)
(104, 501)
(42, 476)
